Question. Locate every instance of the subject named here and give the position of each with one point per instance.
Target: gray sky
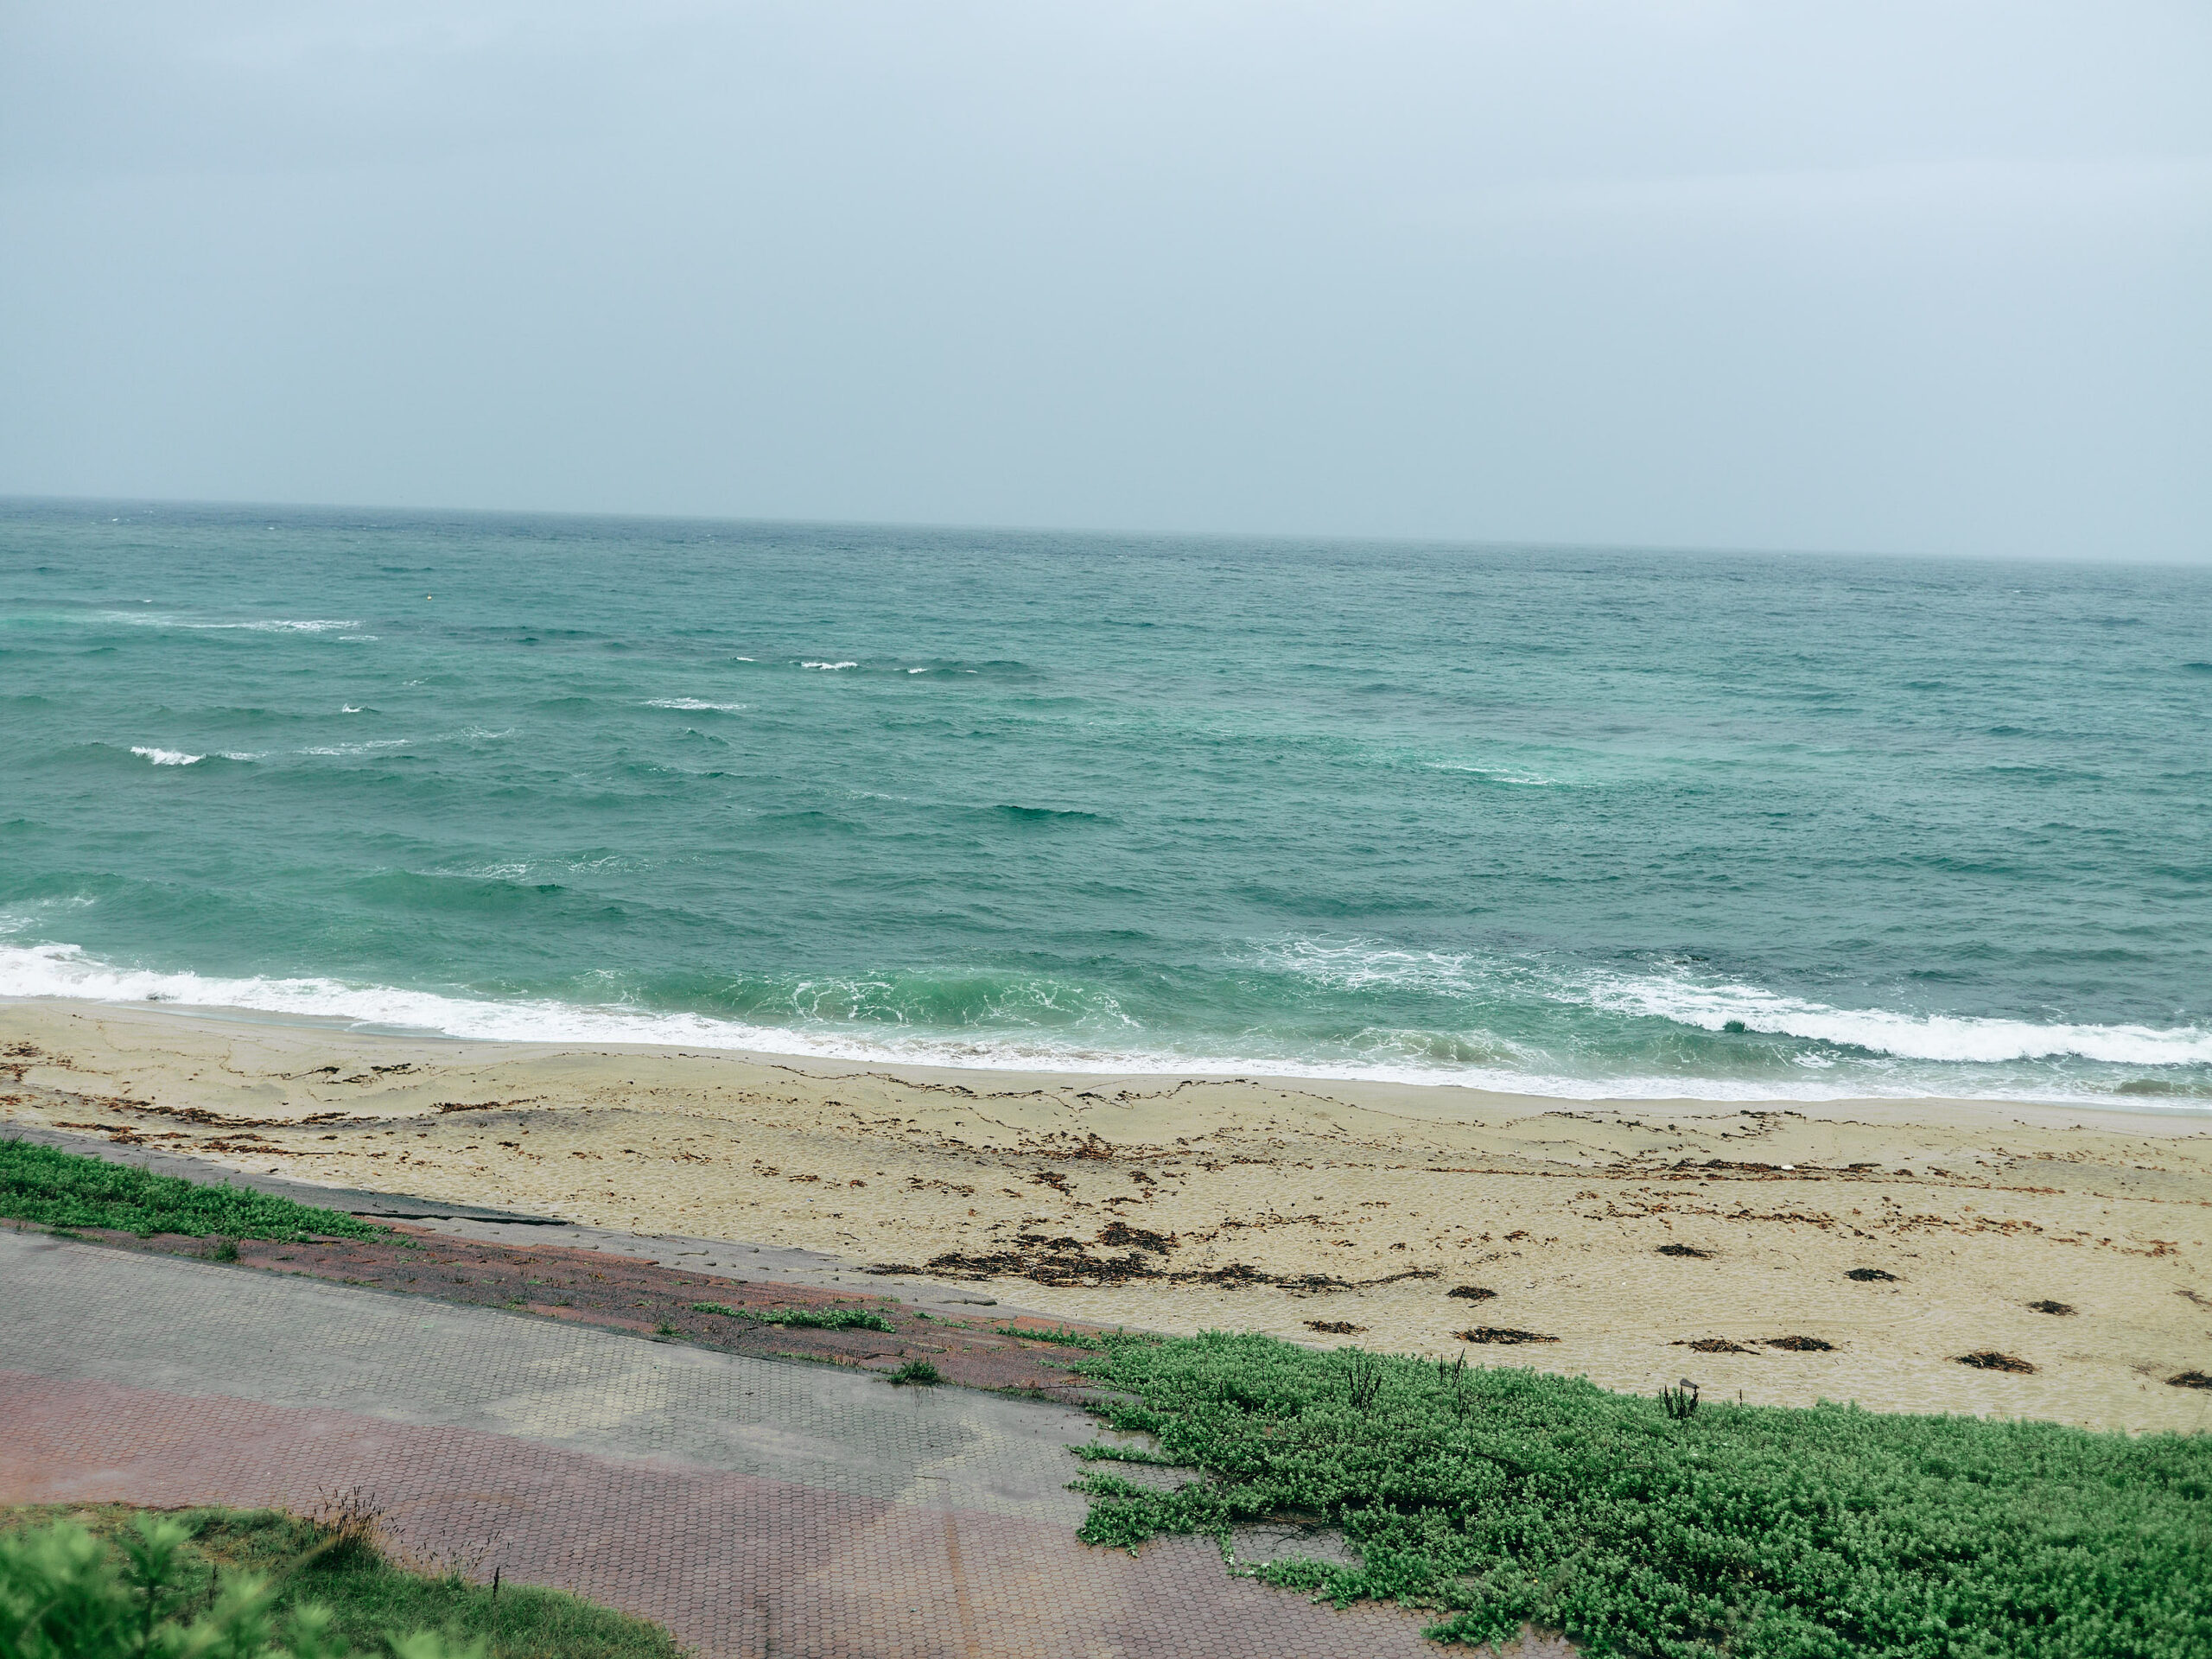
(1926, 276)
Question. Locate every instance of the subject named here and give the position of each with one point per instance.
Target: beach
(1847, 1250)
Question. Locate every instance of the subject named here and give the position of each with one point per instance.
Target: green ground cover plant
(66, 1189)
(809, 1319)
(1059, 1334)
(116, 1583)
(827, 1319)
(1499, 1497)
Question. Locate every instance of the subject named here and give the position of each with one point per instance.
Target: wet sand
(1640, 1241)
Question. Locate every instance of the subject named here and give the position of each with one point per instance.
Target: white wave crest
(1946, 1039)
(831, 666)
(692, 704)
(256, 624)
(1497, 774)
(170, 757)
(1971, 1039)
(369, 747)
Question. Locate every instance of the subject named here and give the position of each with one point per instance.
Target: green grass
(808, 1319)
(1059, 1334)
(65, 1189)
(917, 1371)
(373, 1605)
(1497, 1496)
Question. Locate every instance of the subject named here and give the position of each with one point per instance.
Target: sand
(1622, 1231)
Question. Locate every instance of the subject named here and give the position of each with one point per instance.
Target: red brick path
(735, 1565)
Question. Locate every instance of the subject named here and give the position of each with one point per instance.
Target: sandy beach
(1875, 1242)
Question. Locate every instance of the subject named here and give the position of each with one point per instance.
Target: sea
(1590, 824)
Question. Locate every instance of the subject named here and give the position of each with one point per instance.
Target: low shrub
(258, 1585)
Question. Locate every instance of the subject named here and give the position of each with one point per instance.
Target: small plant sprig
(1680, 1403)
(920, 1371)
(1455, 1379)
(1362, 1378)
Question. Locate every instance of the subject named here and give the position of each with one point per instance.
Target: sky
(1926, 276)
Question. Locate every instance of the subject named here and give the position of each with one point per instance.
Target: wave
(1726, 1007)
(692, 704)
(1962, 1039)
(66, 972)
(833, 667)
(369, 746)
(1041, 815)
(1497, 774)
(1109, 1040)
(259, 625)
(169, 757)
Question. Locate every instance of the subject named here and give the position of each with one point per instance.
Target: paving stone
(754, 1506)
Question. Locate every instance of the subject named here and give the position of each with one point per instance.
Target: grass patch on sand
(252, 1573)
(1495, 1497)
(66, 1189)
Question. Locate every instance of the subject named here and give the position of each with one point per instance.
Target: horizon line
(9, 499)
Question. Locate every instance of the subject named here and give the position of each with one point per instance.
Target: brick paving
(754, 1506)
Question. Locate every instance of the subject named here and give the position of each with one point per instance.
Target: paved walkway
(752, 1506)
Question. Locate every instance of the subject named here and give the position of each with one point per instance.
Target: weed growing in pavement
(804, 1319)
(225, 1249)
(1059, 1334)
(825, 1318)
(66, 1189)
(916, 1370)
(1500, 1496)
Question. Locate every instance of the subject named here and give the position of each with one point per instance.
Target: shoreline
(1610, 1235)
(619, 1028)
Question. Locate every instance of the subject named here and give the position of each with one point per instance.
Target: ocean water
(1585, 823)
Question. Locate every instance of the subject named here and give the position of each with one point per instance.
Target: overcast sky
(1919, 276)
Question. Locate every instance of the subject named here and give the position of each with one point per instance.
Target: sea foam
(169, 757)
(1971, 1039)
(1718, 1006)
(66, 972)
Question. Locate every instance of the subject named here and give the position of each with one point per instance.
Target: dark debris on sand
(1066, 1260)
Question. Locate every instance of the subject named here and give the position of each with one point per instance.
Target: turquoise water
(1587, 823)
